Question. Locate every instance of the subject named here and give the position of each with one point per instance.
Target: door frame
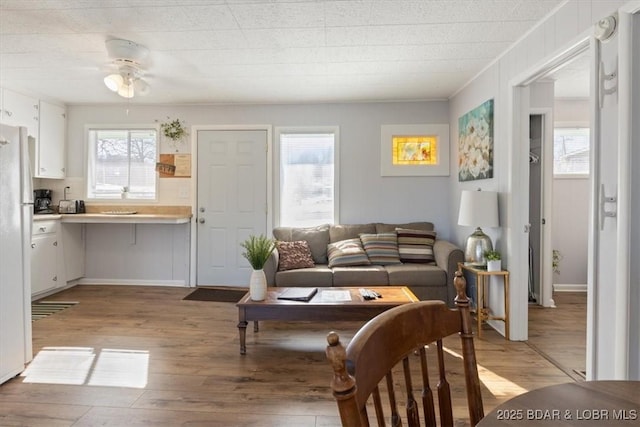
(518, 200)
(546, 207)
(194, 184)
(617, 324)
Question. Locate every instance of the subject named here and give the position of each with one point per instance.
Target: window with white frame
(307, 176)
(571, 147)
(121, 163)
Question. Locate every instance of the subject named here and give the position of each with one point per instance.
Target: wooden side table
(482, 278)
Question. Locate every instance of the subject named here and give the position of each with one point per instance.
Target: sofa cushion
(382, 227)
(349, 231)
(416, 245)
(347, 252)
(416, 275)
(317, 237)
(294, 255)
(320, 276)
(382, 249)
(361, 275)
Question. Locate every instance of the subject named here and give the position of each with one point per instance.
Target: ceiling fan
(127, 58)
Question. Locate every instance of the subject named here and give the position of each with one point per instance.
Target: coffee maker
(42, 202)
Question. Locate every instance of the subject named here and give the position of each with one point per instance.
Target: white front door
(232, 202)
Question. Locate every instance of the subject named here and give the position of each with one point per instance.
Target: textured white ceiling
(260, 51)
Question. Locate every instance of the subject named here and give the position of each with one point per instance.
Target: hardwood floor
(560, 334)
(142, 356)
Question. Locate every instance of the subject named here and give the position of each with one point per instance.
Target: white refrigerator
(16, 215)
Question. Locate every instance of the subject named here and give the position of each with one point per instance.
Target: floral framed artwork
(475, 143)
(414, 150)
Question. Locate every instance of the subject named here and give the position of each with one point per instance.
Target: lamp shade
(478, 209)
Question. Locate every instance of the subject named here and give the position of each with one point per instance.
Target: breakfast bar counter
(125, 218)
(108, 214)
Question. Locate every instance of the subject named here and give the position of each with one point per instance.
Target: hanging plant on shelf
(557, 256)
(174, 130)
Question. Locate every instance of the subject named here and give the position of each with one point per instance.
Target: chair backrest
(364, 371)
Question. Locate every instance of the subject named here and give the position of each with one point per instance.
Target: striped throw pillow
(347, 252)
(382, 248)
(416, 245)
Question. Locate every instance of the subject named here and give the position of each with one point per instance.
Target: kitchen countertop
(99, 218)
(116, 215)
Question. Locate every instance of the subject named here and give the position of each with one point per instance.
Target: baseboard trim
(90, 281)
(568, 287)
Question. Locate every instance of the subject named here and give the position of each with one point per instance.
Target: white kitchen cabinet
(45, 257)
(50, 146)
(73, 245)
(20, 110)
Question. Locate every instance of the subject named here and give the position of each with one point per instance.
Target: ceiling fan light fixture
(126, 49)
(141, 87)
(127, 55)
(126, 91)
(113, 82)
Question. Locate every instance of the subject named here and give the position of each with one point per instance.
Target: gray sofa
(426, 280)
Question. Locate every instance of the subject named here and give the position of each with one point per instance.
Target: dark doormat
(217, 294)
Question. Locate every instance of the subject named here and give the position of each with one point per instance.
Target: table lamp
(478, 209)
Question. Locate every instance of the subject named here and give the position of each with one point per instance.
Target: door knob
(201, 220)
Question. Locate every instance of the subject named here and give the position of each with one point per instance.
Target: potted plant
(494, 260)
(258, 249)
(557, 256)
(173, 129)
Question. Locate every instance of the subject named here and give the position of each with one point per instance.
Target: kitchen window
(121, 164)
(307, 175)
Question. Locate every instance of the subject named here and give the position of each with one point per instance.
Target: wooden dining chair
(364, 371)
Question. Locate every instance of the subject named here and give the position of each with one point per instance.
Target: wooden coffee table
(326, 305)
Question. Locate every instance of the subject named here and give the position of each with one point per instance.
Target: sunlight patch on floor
(81, 365)
(121, 368)
(60, 365)
(497, 385)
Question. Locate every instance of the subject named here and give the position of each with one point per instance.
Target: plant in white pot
(258, 249)
(494, 260)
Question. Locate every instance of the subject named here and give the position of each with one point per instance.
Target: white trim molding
(569, 287)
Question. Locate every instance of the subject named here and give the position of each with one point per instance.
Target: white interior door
(232, 202)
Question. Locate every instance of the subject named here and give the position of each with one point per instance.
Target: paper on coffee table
(335, 295)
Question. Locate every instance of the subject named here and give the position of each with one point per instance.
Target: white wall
(612, 350)
(571, 229)
(634, 297)
(561, 30)
(571, 204)
(364, 194)
(572, 112)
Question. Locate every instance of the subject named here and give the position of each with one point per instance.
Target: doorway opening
(559, 201)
